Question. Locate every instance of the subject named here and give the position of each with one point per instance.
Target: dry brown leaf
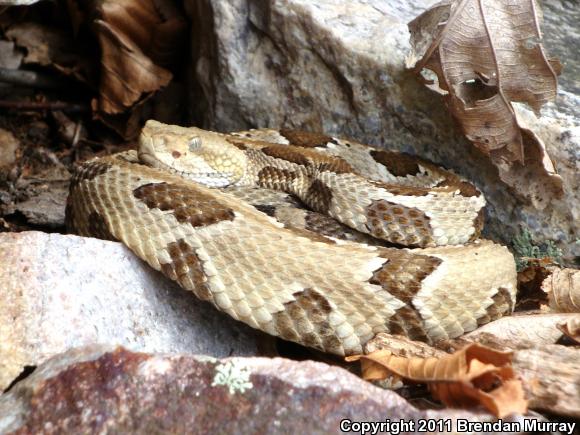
(563, 289)
(41, 42)
(398, 345)
(520, 331)
(474, 375)
(139, 41)
(127, 75)
(401, 346)
(571, 328)
(50, 47)
(536, 179)
(486, 55)
(155, 26)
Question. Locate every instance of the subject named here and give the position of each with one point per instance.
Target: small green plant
(525, 249)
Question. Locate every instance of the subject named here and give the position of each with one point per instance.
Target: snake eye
(194, 143)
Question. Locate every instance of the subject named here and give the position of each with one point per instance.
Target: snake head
(198, 155)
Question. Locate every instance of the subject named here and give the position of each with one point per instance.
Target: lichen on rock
(233, 375)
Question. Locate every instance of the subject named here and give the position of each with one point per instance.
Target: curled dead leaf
(563, 289)
(140, 40)
(127, 74)
(474, 375)
(571, 328)
(484, 57)
(157, 27)
(50, 47)
(519, 331)
(400, 346)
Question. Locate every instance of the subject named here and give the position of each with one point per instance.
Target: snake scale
(390, 243)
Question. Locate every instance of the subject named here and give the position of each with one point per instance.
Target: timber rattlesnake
(171, 205)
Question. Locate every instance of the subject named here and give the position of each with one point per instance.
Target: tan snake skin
(332, 291)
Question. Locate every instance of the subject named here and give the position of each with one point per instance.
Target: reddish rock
(99, 390)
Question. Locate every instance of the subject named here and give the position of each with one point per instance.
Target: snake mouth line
(217, 180)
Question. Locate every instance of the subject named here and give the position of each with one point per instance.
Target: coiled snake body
(180, 204)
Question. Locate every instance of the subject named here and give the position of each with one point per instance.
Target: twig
(44, 105)
(31, 78)
(77, 134)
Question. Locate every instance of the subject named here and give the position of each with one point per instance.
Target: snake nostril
(176, 154)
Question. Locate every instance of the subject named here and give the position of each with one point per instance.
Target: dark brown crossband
(305, 139)
(187, 205)
(319, 197)
(310, 307)
(402, 276)
(186, 268)
(398, 164)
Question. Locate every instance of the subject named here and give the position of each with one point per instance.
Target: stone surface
(93, 391)
(59, 292)
(8, 149)
(338, 66)
(46, 195)
(34, 187)
(10, 58)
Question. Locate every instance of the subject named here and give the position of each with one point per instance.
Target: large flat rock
(59, 292)
(100, 390)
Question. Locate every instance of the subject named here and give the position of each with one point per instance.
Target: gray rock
(41, 196)
(338, 66)
(561, 34)
(60, 292)
(46, 209)
(91, 390)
